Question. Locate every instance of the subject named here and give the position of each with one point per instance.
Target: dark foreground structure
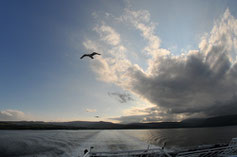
(218, 150)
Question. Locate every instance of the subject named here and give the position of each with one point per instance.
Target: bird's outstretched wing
(95, 53)
(83, 56)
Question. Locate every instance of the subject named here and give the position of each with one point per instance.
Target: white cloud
(141, 21)
(113, 63)
(108, 34)
(12, 115)
(198, 83)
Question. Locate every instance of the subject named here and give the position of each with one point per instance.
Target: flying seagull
(90, 55)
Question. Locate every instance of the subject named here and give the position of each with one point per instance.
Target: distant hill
(187, 123)
(36, 125)
(88, 124)
(213, 121)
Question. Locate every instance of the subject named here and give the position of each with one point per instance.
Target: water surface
(73, 142)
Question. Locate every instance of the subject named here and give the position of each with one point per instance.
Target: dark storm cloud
(189, 86)
(121, 97)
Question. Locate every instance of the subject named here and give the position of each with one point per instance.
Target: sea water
(65, 143)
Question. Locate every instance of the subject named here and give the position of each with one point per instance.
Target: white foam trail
(113, 140)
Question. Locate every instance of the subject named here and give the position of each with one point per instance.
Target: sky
(160, 60)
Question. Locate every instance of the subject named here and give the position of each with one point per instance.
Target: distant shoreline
(229, 120)
(19, 129)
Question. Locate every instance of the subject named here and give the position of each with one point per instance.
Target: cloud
(150, 114)
(108, 34)
(141, 21)
(130, 119)
(113, 63)
(90, 110)
(198, 83)
(12, 115)
(121, 97)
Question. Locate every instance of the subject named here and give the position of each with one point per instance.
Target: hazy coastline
(77, 125)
